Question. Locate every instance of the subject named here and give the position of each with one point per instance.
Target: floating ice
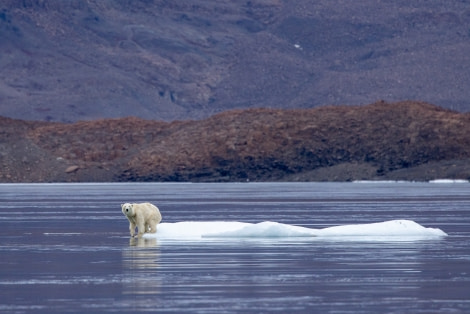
(266, 229)
(380, 181)
(195, 229)
(449, 181)
(389, 228)
(392, 229)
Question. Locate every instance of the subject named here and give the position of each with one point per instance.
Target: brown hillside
(376, 141)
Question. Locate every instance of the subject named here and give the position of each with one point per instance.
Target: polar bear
(144, 216)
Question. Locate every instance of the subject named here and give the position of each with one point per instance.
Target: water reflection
(143, 242)
(141, 262)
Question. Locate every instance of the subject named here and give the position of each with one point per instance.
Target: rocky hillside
(405, 140)
(70, 60)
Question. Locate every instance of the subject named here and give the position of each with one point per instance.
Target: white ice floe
(266, 229)
(392, 229)
(380, 181)
(195, 229)
(448, 181)
(389, 228)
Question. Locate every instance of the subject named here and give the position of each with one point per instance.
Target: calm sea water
(66, 248)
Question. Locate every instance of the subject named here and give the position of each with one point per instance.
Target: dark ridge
(405, 140)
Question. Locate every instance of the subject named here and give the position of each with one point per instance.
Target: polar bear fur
(144, 216)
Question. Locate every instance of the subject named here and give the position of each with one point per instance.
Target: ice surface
(448, 181)
(387, 228)
(401, 181)
(380, 181)
(223, 229)
(266, 229)
(195, 229)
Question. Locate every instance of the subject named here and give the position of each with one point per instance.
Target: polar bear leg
(132, 228)
(140, 227)
(151, 226)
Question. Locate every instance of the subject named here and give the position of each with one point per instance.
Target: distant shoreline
(410, 141)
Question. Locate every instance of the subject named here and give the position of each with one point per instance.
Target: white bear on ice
(144, 216)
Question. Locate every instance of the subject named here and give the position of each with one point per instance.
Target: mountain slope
(70, 60)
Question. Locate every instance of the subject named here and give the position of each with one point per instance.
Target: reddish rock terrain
(405, 140)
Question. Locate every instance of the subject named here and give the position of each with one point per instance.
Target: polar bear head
(128, 209)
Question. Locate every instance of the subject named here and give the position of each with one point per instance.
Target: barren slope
(406, 140)
(70, 60)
